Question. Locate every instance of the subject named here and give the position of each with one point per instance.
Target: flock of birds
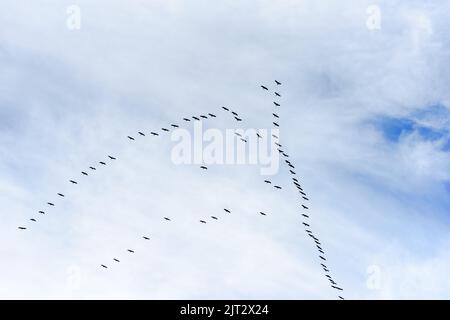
(288, 164)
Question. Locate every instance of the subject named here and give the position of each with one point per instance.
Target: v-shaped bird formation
(305, 217)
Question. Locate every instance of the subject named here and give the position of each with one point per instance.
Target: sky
(364, 115)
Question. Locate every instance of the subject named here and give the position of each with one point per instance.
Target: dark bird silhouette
(292, 172)
(305, 207)
(103, 266)
(278, 187)
(238, 134)
(142, 134)
(242, 139)
(275, 124)
(204, 168)
(323, 265)
(204, 117)
(130, 251)
(154, 133)
(175, 125)
(278, 82)
(238, 119)
(322, 258)
(326, 270)
(277, 94)
(60, 194)
(226, 210)
(267, 181)
(186, 119)
(51, 204)
(131, 138)
(74, 182)
(103, 163)
(84, 173)
(305, 215)
(275, 115)
(265, 88)
(337, 288)
(212, 115)
(112, 158)
(275, 136)
(22, 228)
(321, 251)
(262, 213)
(146, 238)
(295, 179)
(276, 143)
(41, 212)
(202, 221)
(165, 129)
(341, 298)
(258, 135)
(167, 219)
(285, 154)
(224, 108)
(215, 218)
(32, 219)
(92, 168)
(116, 260)
(277, 104)
(198, 119)
(305, 198)
(305, 224)
(235, 113)
(301, 192)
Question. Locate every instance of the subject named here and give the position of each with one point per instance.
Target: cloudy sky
(365, 117)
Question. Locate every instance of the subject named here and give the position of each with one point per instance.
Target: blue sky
(365, 116)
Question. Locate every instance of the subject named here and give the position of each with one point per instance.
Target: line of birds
(304, 197)
(236, 116)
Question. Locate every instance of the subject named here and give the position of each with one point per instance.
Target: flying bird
(22, 228)
(204, 117)
(165, 129)
(305, 198)
(175, 125)
(275, 124)
(238, 134)
(258, 135)
(341, 298)
(292, 172)
(51, 204)
(74, 182)
(112, 158)
(204, 168)
(278, 187)
(130, 251)
(212, 115)
(146, 238)
(142, 134)
(265, 88)
(84, 173)
(104, 266)
(224, 108)
(116, 260)
(103, 163)
(131, 138)
(262, 213)
(226, 210)
(186, 119)
(238, 119)
(305, 215)
(234, 113)
(322, 258)
(275, 115)
(32, 219)
(278, 82)
(196, 118)
(277, 104)
(337, 288)
(267, 181)
(92, 168)
(154, 133)
(41, 212)
(202, 221)
(277, 94)
(167, 219)
(303, 193)
(215, 218)
(275, 136)
(242, 139)
(305, 224)
(60, 194)
(305, 207)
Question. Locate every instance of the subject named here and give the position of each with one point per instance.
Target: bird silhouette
(92, 168)
(275, 115)
(103, 266)
(116, 260)
(226, 210)
(130, 251)
(215, 218)
(51, 204)
(142, 134)
(74, 182)
(341, 298)
(305, 215)
(202, 221)
(146, 238)
(275, 124)
(32, 219)
(224, 108)
(305, 198)
(41, 212)
(154, 133)
(278, 82)
(277, 104)
(204, 168)
(262, 213)
(60, 194)
(305, 224)
(275, 136)
(337, 288)
(22, 228)
(196, 118)
(305, 207)
(238, 134)
(186, 119)
(267, 181)
(242, 139)
(112, 158)
(131, 138)
(165, 129)
(258, 135)
(212, 115)
(292, 172)
(238, 119)
(167, 219)
(175, 125)
(103, 163)
(204, 117)
(277, 94)
(322, 258)
(234, 113)
(84, 173)
(265, 88)
(277, 187)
